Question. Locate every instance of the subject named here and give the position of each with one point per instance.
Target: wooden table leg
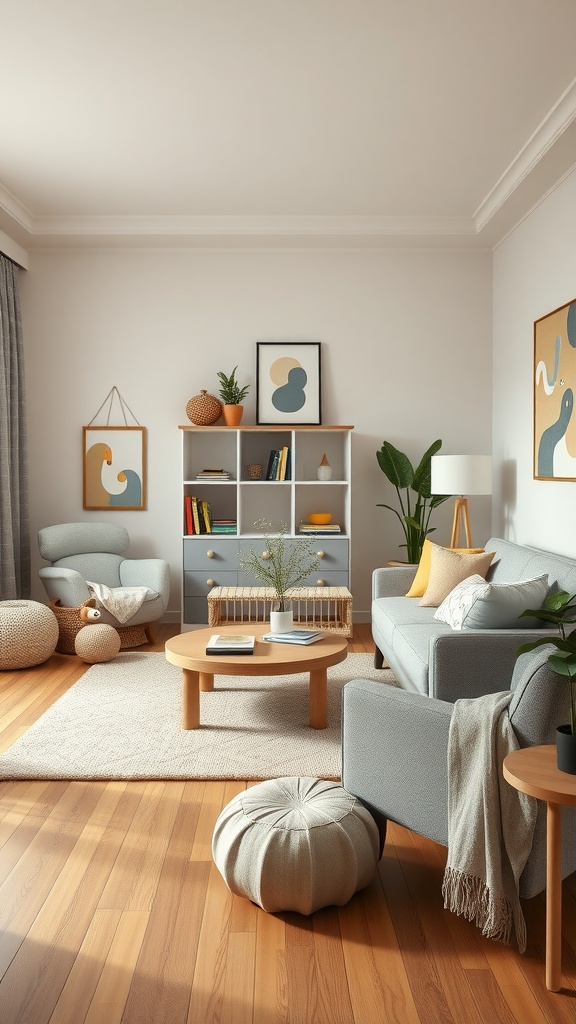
(553, 897)
(318, 698)
(206, 682)
(190, 699)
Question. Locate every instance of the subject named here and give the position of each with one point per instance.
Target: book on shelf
(272, 473)
(205, 510)
(226, 643)
(312, 529)
(294, 636)
(188, 520)
(214, 474)
(270, 463)
(282, 463)
(195, 515)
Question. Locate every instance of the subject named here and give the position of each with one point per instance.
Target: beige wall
(534, 273)
(406, 349)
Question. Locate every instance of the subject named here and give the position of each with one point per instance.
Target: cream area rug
(121, 720)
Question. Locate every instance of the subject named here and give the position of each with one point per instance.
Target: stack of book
(197, 516)
(328, 528)
(213, 474)
(279, 464)
(224, 526)
(294, 636)
(224, 643)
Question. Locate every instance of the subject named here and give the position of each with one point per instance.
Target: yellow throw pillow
(420, 581)
(448, 568)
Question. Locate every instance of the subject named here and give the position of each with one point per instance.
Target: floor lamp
(461, 475)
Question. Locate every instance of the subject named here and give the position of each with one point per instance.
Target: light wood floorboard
(112, 912)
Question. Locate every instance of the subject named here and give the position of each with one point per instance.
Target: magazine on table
(226, 643)
(294, 636)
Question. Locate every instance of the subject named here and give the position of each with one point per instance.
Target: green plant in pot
(282, 565)
(232, 396)
(560, 610)
(414, 494)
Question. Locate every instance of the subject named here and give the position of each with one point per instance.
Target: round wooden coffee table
(188, 651)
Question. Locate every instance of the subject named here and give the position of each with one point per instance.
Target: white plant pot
(281, 622)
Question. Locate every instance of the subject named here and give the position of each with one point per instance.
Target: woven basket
(70, 623)
(203, 410)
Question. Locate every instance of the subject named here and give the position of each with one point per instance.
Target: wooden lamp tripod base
(461, 519)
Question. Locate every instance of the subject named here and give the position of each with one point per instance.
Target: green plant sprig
(557, 609)
(415, 512)
(285, 565)
(230, 391)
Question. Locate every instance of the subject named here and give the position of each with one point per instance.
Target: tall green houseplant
(414, 494)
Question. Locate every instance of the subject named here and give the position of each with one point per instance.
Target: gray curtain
(14, 519)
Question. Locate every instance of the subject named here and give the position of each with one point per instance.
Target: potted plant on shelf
(414, 495)
(560, 609)
(281, 566)
(232, 396)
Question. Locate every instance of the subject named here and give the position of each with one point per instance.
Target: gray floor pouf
(296, 844)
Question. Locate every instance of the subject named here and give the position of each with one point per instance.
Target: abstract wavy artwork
(114, 468)
(554, 386)
(288, 382)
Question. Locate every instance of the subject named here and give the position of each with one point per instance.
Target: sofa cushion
(448, 568)
(422, 576)
(475, 604)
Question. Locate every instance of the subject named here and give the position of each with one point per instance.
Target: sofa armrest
(470, 663)
(391, 741)
(147, 572)
(64, 585)
(392, 581)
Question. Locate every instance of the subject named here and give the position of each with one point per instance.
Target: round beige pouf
(28, 634)
(296, 844)
(96, 643)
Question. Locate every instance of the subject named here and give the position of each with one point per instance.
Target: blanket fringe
(468, 896)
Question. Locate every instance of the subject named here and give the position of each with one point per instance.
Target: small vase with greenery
(282, 565)
(414, 494)
(559, 609)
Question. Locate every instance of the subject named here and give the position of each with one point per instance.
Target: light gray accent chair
(96, 552)
(395, 747)
(428, 656)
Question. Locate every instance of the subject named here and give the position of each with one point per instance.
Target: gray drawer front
(335, 551)
(196, 583)
(338, 578)
(225, 553)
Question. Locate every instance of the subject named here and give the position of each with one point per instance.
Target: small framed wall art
(554, 385)
(114, 468)
(288, 382)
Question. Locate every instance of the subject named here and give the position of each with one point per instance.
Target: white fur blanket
(490, 824)
(121, 602)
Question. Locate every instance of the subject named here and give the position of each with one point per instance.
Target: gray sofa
(428, 656)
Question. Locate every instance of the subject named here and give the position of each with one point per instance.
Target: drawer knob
(320, 583)
(211, 583)
(321, 554)
(209, 554)
(265, 555)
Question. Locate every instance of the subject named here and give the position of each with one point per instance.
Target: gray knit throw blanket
(490, 824)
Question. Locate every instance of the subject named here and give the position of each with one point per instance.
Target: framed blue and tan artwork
(114, 468)
(288, 382)
(554, 387)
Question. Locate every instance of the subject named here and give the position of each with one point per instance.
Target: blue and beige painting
(554, 382)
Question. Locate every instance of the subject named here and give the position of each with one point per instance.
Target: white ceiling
(306, 121)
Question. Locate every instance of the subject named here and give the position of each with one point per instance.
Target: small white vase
(281, 622)
(324, 469)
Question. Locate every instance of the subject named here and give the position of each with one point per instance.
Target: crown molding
(546, 135)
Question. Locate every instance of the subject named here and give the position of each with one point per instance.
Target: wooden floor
(111, 910)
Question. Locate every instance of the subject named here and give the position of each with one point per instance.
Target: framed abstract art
(114, 468)
(554, 385)
(288, 382)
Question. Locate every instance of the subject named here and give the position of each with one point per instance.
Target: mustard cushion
(448, 568)
(420, 581)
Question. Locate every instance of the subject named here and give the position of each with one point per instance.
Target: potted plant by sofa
(232, 396)
(560, 609)
(281, 566)
(414, 495)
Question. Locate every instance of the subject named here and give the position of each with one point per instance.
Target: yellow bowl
(320, 518)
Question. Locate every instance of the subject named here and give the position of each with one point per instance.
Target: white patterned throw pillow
(476, 604)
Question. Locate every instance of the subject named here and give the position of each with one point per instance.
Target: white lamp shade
(461, 474)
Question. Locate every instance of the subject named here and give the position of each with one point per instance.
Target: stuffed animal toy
(96, 641)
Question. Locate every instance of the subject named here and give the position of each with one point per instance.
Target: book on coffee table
(225, 643)
(294, 636)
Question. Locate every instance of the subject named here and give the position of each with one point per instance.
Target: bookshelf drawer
(334, 553)
(196, 584)
(210, 553)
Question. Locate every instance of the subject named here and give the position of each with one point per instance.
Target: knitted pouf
(98, 642)
(28, 634)
(296, 844)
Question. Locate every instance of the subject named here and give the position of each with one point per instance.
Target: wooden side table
(533, 771)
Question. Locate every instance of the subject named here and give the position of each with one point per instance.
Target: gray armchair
(95, 552)
(395, 747)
